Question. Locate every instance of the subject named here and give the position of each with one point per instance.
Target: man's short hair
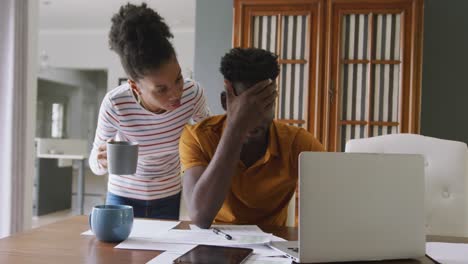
(249, 65)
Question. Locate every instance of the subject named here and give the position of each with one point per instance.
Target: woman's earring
(139, 98)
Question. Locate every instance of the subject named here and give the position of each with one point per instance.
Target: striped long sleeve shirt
(121, 117)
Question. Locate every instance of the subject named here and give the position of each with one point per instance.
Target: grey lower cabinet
(52, 187)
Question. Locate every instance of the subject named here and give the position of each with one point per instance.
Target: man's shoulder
(288, 131)
(210, 124)
(297, 136)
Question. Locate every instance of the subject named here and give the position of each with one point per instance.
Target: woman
(151, 109)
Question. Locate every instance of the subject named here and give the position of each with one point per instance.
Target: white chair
(446, 174)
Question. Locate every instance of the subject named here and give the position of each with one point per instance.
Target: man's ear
(223, 100)
(229, 87)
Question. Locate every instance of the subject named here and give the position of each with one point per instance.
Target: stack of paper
(448, 253)
(168, 256)
(179, 240)
(160, 235)
(208, 237)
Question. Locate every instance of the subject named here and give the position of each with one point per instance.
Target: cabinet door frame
(245, 9)
(412, 57)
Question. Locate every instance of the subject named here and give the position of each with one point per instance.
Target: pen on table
(219, 232)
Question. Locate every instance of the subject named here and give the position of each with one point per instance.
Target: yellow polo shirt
(259, 194)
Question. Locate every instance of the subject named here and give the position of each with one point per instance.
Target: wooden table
(61, 242)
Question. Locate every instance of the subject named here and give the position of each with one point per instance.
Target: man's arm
(206, 187)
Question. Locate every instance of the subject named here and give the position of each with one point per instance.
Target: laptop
(359, 207)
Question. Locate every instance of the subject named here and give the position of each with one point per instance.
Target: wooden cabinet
(292, 30)
(349, 68)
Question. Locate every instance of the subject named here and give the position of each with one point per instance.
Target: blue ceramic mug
(111, 223)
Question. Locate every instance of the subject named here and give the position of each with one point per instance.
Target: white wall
(73, 77)
(33, 17)
(88, 49)
(184, 43)
(213, 20)
(18, 56)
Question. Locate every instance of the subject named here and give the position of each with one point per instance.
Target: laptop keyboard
(295, 249)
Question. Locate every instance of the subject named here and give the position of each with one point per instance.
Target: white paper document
(238, 229)
(254, 259)
(169, 256)
(277, 239)
(148, 244)
(448, 253)
(208, 237)
(147, 228)
(179, 243)
(262, 250)
(165, 258)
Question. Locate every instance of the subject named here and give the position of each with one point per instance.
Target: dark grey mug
(111, 223)
(122, 157)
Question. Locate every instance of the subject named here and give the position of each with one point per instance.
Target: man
(242, 167)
